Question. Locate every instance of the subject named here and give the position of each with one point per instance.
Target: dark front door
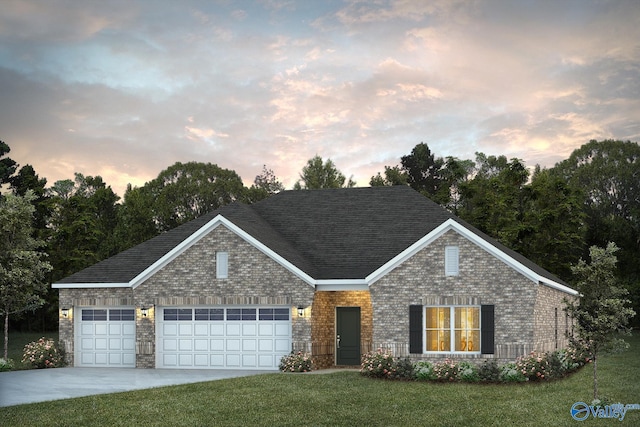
(347, 335)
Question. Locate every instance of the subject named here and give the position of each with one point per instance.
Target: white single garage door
(222, 337)
(106, 337)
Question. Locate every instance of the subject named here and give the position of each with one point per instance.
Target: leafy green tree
(264, 185)
(392, 176)
(27, 179)
(22, 266)
(455, 173)
(602, 312)
(608, 174)
(494, 200)
(7, 165)
(318, 174)
(424, 173)
(554, 229)
(185, 191)
(82, 223)
(135, 218)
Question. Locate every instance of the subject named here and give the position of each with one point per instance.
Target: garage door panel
(86, 344)
(100, 344)
(282, 345)
(169, 330)
(249, 345)
(201, 329)
(106, 337)
(129, 344)
(185, 329)
(201, 360)
(265, 344)
(249, 360)
(217, 361)
(233, 360)
(233, 345)
(248, 330)
(115, 344)
(265, 361)
(265, 330)
(282, 330)
(236, 337)
(170, 360)
(185, 359)
(233, 330)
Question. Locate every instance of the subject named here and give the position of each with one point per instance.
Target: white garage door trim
(229, 337)
(105, 337)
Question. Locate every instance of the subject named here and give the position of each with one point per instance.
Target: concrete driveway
(40, 385)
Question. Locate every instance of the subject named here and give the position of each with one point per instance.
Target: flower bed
(535, 366)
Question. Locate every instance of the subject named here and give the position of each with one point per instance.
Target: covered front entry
(222, 337)
(347, 335)
(345, 313)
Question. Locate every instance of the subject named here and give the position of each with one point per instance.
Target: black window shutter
(415, 329)
(486, 329)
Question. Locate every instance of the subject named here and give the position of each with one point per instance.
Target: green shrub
(43, 353)
(468, 372)
(424, 371)
(296, 362)
(510, 373)
(402, 369)
(6, 364)
(489, 371)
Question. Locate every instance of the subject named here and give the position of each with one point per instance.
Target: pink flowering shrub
(296, 362)
(43, 354)
(535, 366)
(446, 371)
(378, 364)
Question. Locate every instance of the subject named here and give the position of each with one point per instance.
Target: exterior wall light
(144, 311)
(65, 312)
(300, 311)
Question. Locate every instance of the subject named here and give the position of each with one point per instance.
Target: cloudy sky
(124, 89)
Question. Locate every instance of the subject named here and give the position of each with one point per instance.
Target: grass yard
(346, 398)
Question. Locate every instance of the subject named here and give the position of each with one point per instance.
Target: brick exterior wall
(482, 279)
(552, 324)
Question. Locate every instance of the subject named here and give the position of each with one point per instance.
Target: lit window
(222, 265)
(461, 335)
(451, 260)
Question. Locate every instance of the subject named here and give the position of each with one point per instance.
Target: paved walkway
(40, 385)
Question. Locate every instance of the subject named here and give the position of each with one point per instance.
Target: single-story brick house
(334, 272)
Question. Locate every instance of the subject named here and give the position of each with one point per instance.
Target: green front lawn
(346, 398)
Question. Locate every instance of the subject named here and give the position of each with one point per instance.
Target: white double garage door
(189, 337)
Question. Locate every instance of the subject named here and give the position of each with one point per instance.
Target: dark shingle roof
(328, 234)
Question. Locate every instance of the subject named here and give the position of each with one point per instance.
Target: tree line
(552, 216)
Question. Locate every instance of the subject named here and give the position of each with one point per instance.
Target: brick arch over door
(323, 322)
